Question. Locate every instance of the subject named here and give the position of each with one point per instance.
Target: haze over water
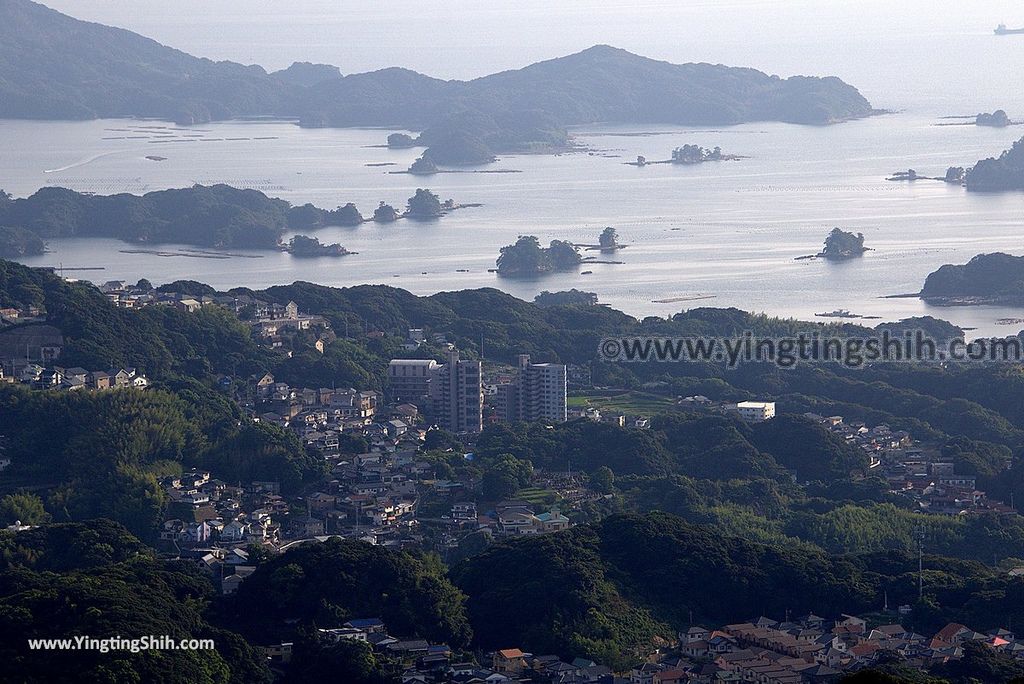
(728, 231)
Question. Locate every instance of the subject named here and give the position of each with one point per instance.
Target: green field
(536, 496)
(629, 403)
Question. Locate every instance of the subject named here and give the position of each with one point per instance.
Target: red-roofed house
(509, 660)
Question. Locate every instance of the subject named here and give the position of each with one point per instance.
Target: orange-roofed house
(509, 660)
(952, 633)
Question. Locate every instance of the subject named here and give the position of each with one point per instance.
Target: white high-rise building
(457, 394)
(537, 393)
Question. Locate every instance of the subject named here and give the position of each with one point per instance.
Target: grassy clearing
(630, 403)
(536, 495)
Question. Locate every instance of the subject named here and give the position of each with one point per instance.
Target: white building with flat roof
(756, 411)
(409, 379)
(538, 392)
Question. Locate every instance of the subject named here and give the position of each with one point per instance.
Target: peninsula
(93, 71)
(995, 278)
(999, 174)
(217, 216)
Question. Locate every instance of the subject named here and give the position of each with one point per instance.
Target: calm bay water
(726, 233)
(721, 234)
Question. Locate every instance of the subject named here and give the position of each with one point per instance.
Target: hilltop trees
(571, 297)
(329, 583)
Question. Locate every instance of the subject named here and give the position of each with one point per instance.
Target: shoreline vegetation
(997, 174)
(987, 279)
(994, 174)
(460, 123)
(216, 216)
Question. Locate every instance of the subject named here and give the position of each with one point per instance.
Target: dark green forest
(701, 513)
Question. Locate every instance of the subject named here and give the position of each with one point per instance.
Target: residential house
(509, 660)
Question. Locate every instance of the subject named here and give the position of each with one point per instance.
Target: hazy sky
(466, 38)
(927, 55)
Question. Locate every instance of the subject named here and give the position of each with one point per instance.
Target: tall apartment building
(536, 393)
(409, 379)
(457, 393)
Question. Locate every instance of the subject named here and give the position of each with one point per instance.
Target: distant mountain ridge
(57, 67)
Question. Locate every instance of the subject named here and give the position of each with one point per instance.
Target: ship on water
(1001, 30)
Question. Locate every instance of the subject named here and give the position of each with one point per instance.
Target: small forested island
(954, 176)
(385, 213)
(688, 155)
(695, 154)
(305, 246)
(571, 297)
(526, 258)
(93, 71)
(998, 174)
(217, 216)
(609, 240)
(997, 119)
(995, 278)
(841, 245)
(401, 141)
(425, 205)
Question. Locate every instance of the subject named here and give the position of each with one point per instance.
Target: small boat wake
(83, 162)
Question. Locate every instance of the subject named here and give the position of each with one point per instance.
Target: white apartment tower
(457, 394)
(537, 393)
